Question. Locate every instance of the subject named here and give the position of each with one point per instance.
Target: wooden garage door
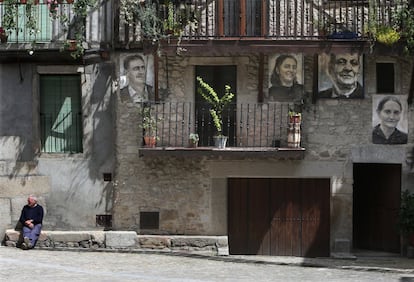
(281, 217)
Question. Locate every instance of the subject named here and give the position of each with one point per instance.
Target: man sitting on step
(31, 218)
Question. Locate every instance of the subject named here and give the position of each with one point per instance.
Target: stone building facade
(326, 196)
(190, 193)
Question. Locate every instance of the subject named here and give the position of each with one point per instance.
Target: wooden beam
(260, 96)
(243, 16)
(264, 18)
(220, 15)
(411, 90)
(156, 67)
(315, 78)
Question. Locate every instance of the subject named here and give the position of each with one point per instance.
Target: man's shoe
(27, 243)
(24, 246)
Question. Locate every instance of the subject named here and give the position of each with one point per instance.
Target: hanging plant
(31, 17)
(9, 17)
(404, 19)
(53, 7)
(80, 9)
(154, 27)
(387, 35)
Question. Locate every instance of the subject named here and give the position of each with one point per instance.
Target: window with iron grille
(60, 113)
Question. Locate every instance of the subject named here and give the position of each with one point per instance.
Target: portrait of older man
(135, 87)
(340, 76)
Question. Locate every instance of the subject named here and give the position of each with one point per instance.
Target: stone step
(214, 245)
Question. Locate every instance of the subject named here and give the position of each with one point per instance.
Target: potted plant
(217, 105)
(3, 35)
(149, 127)
(406, 216)
(323, 26)
(193, 140)
(387, 35)
(295, 117)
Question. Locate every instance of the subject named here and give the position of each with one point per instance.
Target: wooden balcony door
(217, 77)
(242, 17)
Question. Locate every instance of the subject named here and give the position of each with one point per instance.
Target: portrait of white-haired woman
(388, 128)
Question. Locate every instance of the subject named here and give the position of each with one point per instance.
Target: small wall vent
(149, 220)
(104, 220)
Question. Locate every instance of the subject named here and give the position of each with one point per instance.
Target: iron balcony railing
(53, 21)
(273, 19)
(245, 125)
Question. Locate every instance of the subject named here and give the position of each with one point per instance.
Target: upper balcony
(53, 24)
(193, 24)
(264, 24)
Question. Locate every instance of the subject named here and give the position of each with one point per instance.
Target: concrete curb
(271, 260)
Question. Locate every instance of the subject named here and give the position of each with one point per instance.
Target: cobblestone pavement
(47, 265)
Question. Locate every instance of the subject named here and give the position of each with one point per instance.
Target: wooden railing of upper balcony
(46, 26)
(271, 19)
(246, 125)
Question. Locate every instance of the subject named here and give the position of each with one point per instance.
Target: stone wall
(70, 187)
(191, 194)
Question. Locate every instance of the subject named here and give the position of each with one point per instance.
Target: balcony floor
(228, 152)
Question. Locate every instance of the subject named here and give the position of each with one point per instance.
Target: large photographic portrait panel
(136, 77)
(340, 76)
(285, 78)
(389, 119)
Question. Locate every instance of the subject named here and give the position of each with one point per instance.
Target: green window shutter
(60, 113)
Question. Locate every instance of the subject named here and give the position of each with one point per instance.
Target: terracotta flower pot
(295, 119)
(3, 38)
(72, 45)
(150, 141)
(192, 144)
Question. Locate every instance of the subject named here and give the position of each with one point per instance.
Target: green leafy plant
(404, 20)
(377, 31)
(80, 9)
(31, 18)
(194, 138)
(217, 104)
(387, 35)
(406, 213)
(9, 20)
(154, 26)
(149, 122)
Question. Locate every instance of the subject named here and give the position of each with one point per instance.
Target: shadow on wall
(11, 150)
(11, 147)
(102, 142)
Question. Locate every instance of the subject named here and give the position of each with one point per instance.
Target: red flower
(2, 31)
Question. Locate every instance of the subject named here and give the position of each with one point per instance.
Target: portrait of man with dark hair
(340, 76)
(135, 83)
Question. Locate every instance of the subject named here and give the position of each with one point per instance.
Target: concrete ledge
(129, 240)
